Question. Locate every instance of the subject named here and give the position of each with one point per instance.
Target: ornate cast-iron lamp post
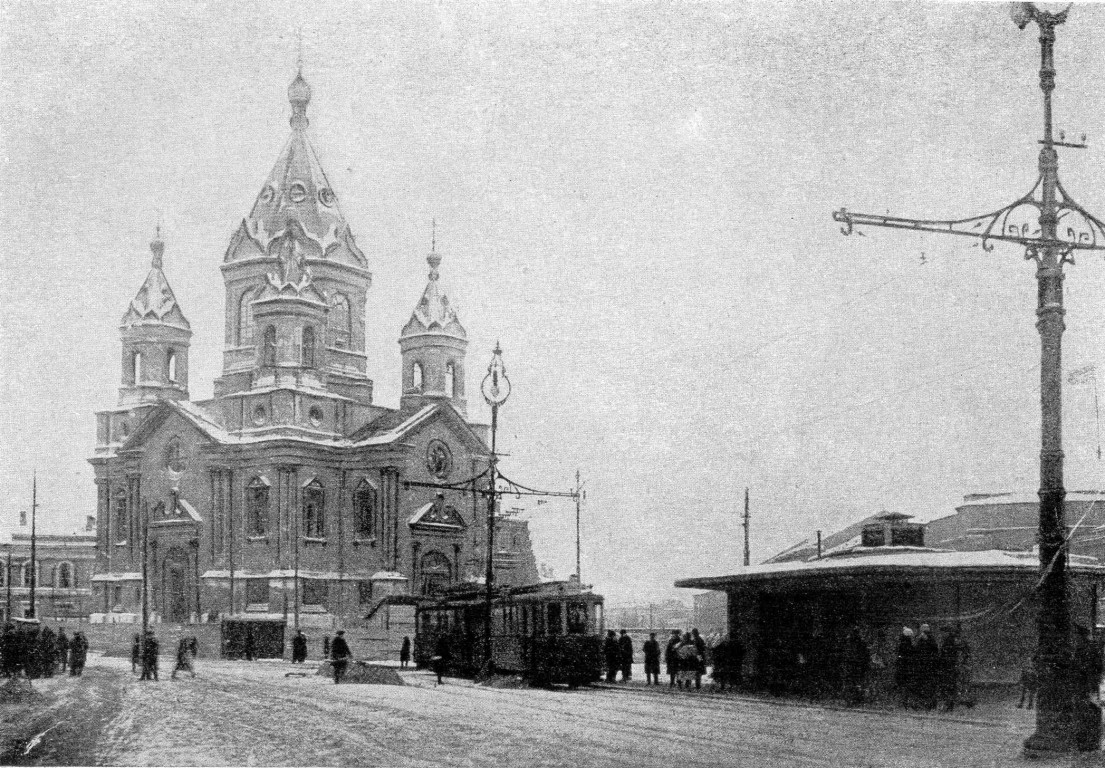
(495, 389)
(1051, 226)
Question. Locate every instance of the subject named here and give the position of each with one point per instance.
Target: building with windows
(63, 583)
(283, 498)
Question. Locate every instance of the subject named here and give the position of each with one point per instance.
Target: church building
(283, 498)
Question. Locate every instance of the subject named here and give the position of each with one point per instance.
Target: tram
(549, 633)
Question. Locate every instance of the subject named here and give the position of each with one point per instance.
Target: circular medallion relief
(297, 192)
(439, 459)
(267, 194)
(315, 415)
(326, 197)
(260, 415)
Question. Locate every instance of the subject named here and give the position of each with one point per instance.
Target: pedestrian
(625, 656)
(687, 652)
(299, 647)
(185, 657)
(1030, 682)
(150, 652)
(700, 646)
(135, 653)
(903, 669)
(442, 655)
(610, 655)
(652, 660)
(339, 655)
(47, 652)
(947, 684)
(63, 649)
(926, 657)
(722, 655)
(405, 653)
(78, 654)
(856, 663)
(671, 659)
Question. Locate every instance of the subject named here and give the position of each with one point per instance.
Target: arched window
(269, 357)
(450, 380)
(364, 507)
(170, 365)
(257, 506)
(136, 367)
(63, 576)
(314, 516)
(416, 377)
(308, 346)
(339, 322)
(25, 574)
(173, 458)
(245, 320)
(119, 518)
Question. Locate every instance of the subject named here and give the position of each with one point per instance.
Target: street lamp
(495, 389)
(1050, 247)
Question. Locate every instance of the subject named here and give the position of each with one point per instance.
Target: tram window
(554, 618)
(538, 620)
(577, 618)
(525, 621)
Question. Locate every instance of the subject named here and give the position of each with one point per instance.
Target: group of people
(37, 651)
(145, 653)
(617, 654)
(930, 673)
(684, 658)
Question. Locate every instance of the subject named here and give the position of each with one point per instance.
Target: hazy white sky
(634, 198)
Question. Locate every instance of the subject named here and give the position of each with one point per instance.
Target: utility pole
(34, 543)
(746, 523)
(496, 389)
(579, 497)
(1056, 729)
(144, 511)
(8, 583)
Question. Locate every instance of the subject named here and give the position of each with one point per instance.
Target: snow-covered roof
(886, 561)
(1024, 497)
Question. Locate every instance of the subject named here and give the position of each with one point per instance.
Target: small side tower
(433, 344)
(156, 337)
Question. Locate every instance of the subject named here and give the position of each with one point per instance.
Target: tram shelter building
(790, 615)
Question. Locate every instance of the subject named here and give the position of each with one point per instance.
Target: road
(238, 713)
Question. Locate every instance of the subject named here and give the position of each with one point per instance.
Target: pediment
(438, 516)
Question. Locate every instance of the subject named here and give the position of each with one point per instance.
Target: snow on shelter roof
(893, 561)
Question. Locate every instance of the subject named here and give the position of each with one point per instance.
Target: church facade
(283, 497)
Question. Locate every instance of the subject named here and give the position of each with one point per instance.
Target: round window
(267, 194)
(260, 415)
(326, 197)
(315, 415)
(297, 192)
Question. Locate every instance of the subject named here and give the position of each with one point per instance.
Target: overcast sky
(634, 198)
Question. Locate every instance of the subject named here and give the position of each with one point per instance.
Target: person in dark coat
(671, 659)
(947, 684)
(339, 656)
(926, 658)
(63, 650)
(185, 657)
(151, 649)
(625, 656)
(78, 654)
(856, 664)
(652, 660)
(405, 653)
(299, 647)
(700, 646)
(441, 658)
(610, 655)
(903, 668)
(47, 652)
(136, 653)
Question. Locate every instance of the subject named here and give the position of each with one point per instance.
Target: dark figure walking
(339, 656)
(136, 653)
(185, 657)
(63, 650)
(948, 670)
(671, 658)
(856, 663)
(903, 668)
(299, 647)
(652, 660)
(700, 647)
(625, 656)
(610, 655)
(150, 651)
(405, 653)
(78, 654)
(926, 658)
(440, 659)
(1030, 682)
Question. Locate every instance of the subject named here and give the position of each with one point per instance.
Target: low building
(63, 585)
(789, 615)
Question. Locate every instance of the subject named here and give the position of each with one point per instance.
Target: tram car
(549, 633)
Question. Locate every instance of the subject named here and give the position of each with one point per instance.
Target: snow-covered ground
(240, 713)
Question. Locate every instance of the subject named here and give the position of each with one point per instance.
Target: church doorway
(435, 572)
(176, 586)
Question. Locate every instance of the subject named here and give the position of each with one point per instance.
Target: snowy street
(237, 713)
